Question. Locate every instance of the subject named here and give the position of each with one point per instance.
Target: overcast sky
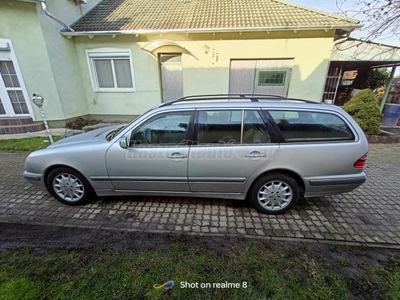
(330, 6)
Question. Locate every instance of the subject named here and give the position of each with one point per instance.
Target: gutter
(44, 8)
(208, 30)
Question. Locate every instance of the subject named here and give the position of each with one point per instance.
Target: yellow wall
(208, 74)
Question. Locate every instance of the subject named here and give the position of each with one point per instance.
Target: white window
(14, 99)
(111, 70)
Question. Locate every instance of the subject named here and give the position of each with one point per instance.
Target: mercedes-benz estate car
(267, 149)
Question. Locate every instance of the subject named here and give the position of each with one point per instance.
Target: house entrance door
(171, 76)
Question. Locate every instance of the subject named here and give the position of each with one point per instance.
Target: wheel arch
(56, 166)
(296, 177)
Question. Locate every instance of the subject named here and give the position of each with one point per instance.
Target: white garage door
(268, 76)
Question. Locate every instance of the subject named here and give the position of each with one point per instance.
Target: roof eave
(349, 27)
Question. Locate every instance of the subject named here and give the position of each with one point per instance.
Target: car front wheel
(69, 186)
(274, 193)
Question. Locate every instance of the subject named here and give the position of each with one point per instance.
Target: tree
(381, 17)
(375, 78)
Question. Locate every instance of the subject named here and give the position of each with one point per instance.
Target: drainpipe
(44, 7)
(342, 40)
(387, 88)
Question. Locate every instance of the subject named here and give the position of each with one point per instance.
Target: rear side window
(303, 126)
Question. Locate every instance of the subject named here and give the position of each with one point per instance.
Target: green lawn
(109, 274)
(26, 144)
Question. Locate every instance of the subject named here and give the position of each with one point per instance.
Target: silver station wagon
(267, 149)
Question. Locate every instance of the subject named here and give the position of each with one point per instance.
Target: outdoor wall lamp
(38, 101)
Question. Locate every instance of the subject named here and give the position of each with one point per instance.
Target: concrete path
(55, 131)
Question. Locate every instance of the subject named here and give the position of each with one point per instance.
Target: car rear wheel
(274, 193)
(69, 186)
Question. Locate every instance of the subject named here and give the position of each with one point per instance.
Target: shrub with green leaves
(364, 108)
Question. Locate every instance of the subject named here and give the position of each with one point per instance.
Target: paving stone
(370, 214)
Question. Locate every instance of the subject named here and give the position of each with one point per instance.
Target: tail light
(360, 163)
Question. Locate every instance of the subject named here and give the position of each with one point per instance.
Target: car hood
(97, 135)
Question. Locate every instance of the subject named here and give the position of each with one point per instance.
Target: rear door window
(219, 127)
(304, 126)
(231, 127)
(254, 129)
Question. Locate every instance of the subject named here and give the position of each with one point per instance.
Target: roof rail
(251, 97)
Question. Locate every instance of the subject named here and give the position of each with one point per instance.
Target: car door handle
(176, 155)
(255, 154)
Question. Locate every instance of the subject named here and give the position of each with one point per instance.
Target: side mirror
(124, 142)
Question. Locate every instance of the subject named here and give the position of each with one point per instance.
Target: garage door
(267, 76)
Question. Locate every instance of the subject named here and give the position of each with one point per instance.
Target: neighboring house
(126, 56)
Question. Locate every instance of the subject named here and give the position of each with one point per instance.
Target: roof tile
(140, 15)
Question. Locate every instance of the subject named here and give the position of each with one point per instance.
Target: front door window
(164, 129)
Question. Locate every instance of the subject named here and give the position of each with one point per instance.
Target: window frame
(281, 138)
(109, 54)
(8, 54)
(272, 72)
(267, 122)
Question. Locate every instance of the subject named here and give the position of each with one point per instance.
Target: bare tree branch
(381, 18)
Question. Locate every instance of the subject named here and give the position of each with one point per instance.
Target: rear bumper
(35, 179)
(330, 185)
(338, 181)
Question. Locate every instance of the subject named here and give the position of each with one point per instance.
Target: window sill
(115, 91)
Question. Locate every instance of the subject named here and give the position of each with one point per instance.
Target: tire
(69, 186)
(274, 193)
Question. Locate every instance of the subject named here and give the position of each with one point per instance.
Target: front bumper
(35, 179)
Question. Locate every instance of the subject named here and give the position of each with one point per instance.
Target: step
(5, 121)
(12, 129)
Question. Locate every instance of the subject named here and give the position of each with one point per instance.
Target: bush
(364, 108)
(79, 123)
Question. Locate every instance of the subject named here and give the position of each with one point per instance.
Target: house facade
(117, 59)
(40, 60)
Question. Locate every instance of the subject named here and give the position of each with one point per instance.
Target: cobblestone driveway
(371, 214)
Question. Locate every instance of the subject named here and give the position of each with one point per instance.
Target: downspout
(342, 40)
(44, 7)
